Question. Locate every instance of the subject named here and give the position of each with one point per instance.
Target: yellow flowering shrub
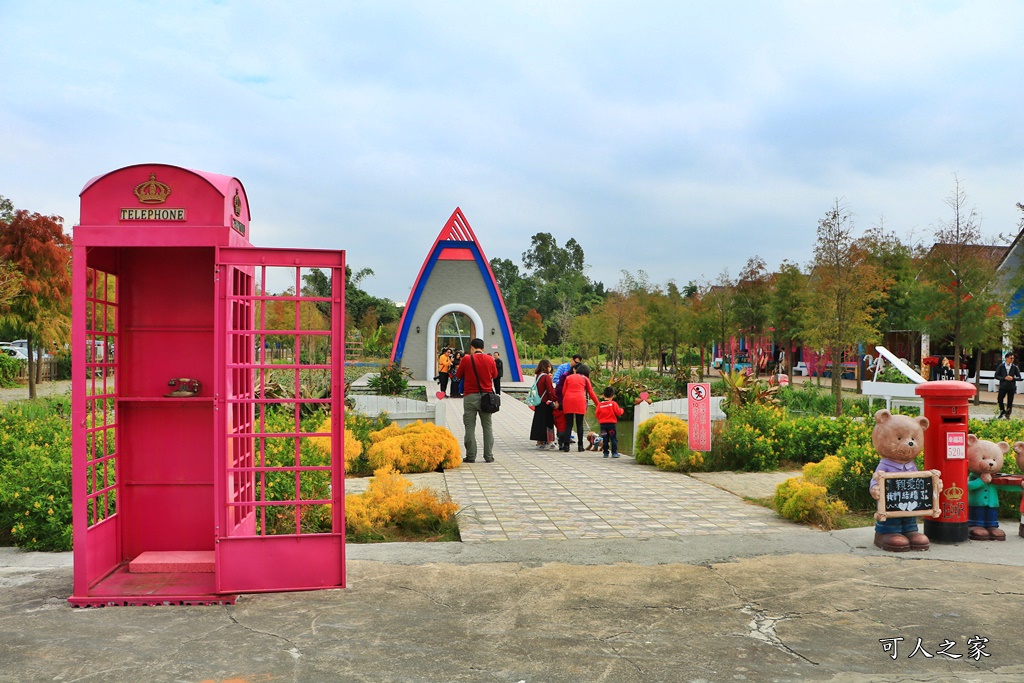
(386, 433)
(805, 501)
(418, 447)
(659, 431)
(353, 446)
(825, 472)
(389, 508)
(663, 441)
(677, 461)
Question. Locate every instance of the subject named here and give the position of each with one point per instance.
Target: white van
(13, 351)
(23, 345)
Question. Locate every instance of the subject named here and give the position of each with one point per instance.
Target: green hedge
(9, 368)
(35, 474)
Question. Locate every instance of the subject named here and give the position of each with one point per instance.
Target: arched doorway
(454, 331)
(453, 325)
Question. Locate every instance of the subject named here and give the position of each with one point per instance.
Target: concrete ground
(523, 599)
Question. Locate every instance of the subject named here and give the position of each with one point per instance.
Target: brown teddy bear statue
(984, 460)
(1018, 448)
(898, 439)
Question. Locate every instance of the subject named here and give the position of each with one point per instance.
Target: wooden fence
(49, 370)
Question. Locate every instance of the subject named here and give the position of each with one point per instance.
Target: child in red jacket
(607, 414)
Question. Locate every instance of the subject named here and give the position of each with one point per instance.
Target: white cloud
(677, 138)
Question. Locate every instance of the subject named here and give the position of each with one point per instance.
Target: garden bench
(987, 378)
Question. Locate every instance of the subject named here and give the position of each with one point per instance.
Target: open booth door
(280, 475)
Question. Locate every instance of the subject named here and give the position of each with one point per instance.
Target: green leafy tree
(751, 304)
(844, 287)
(6, 210)
(558, 278)
(590, 332)
(666, 323)
(962, 300)
(548, 261)
(360, 307)
(518, 292)
(787, 306)
(719, 309)
(700, 328)
(39, 249)
(899, 309)
(621, 316)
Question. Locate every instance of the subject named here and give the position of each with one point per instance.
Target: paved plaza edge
(649, 600)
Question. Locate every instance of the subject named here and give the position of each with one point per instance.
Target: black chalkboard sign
(908, 494)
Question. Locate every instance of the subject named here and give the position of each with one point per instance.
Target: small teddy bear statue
(898, 439)
(984, 460)
(1018, 448)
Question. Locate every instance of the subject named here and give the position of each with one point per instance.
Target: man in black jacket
(1008, 375)
(501, 371)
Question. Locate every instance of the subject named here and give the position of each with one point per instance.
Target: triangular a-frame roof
(458, 242)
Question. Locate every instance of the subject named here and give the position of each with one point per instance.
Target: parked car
(23, 345)
(13, 351)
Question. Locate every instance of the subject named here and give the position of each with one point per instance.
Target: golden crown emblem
(152, 191)
(238, 204)
(954, 492)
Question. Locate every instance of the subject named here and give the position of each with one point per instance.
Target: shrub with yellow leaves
(808, 502)
(353, 447)
(663, 441)
(418, 447)
(390, 508)
(825, 472)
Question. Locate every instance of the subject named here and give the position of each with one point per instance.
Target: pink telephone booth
(201, 466)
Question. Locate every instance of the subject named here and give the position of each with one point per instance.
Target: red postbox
(945, 449)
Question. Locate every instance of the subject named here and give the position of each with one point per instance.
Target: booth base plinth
(124, 588)
(945, 532)
(173, 562)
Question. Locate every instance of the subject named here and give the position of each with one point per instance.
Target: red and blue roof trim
(457, 242)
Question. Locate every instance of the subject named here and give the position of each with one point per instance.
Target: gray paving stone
(549, 495)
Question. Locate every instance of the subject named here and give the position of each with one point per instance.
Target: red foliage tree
(39, 249)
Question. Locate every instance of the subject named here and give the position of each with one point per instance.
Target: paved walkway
(530, 494)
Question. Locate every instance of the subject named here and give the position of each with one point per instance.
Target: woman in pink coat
(574, 389)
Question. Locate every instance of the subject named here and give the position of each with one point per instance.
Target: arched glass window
(455, 330)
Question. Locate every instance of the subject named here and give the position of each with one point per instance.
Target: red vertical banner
(699, 416)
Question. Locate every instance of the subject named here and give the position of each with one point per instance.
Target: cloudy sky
(680, 138)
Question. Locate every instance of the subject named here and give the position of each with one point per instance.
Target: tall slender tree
(719, 307)
(899, 261)
(788, 309)
(39, 249)
(844, 288)
(962, 302)
(752, 300)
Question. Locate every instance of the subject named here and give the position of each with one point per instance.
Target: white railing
(402, 411)
(678, 407)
